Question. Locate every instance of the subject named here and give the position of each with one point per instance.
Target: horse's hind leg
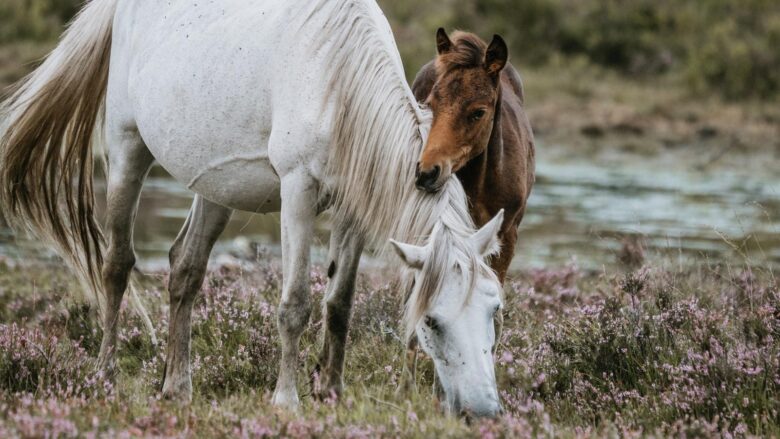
(129, 163)
(189, 259)
(346, 246)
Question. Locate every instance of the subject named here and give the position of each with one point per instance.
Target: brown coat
(503, 175)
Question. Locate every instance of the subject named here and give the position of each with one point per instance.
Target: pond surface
(586, 211)
(579, 210)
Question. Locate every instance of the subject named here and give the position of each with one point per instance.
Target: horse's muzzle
(428, 180)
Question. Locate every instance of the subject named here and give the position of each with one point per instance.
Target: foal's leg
(189, 259)
(129, 163)
(408, 382)
(299, 209)
(500, 264)
(346, 245)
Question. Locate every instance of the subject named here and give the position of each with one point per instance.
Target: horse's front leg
(299, 209)
(346, 245)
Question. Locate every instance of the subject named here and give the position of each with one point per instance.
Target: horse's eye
(476, 115)
(432, 323)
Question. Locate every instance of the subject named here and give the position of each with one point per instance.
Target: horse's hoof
(107, 369)
(286, 400)
(181, 394)
(321, 388)
(328, 393)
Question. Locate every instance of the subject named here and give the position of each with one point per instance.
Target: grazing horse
(480, 132)
(260, 105)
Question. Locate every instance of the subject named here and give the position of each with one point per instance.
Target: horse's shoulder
(424, 81)
(512, 77)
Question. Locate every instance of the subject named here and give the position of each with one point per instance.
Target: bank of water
(579, 210)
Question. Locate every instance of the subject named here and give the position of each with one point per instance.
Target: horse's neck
(378, 133)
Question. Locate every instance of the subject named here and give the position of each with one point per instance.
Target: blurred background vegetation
(727, 47)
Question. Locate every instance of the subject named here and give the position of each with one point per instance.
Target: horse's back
(424, 81)
(207, 86)
(517, 134)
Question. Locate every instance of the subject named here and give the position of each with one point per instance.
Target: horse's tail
(47, 129)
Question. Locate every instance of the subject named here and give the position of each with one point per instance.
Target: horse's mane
(379, 133)
(467, 51)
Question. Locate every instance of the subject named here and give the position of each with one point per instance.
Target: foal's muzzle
(428, 180)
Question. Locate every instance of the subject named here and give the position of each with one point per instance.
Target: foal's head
(452, 308)
(463, 101)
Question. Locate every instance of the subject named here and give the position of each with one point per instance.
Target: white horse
(258, 105)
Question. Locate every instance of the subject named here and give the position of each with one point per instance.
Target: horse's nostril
(427, 179)
(417, 171)
(435, 173)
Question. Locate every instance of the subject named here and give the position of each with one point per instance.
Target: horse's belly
(242, 182)
(203, 110)
(225, 159)
(231, 171)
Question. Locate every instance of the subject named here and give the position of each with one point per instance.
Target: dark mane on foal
(468, 51)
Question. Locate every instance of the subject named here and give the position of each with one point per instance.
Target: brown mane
(468, 51)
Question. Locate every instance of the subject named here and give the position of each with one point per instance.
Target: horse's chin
(430, 189)
(434, 187)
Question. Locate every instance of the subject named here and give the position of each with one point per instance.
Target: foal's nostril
(434, 174)
(427, 179)
(417, 171)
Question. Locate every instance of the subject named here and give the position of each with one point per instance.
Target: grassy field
(662, 350)
(655, 350)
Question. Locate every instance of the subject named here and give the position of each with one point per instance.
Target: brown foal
(480, 132)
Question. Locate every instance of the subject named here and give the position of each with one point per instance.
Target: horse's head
(452, 309)
(463, 100)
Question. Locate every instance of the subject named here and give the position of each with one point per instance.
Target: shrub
(738, 61)
(727, 47)
(34, 19)
(32, 361)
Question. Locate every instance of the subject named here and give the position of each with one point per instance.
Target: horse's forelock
(467, 51)
(449, 246)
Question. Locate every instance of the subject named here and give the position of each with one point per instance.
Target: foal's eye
(476, 115)
(496, 310)
(432, 323)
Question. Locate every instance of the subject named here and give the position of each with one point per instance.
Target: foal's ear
(497, 55)
(412, 255)
(485, 240)
(443, 43)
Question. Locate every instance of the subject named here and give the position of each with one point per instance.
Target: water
(586, 211)
(579, 209)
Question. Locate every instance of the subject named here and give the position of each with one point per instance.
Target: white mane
(380, 131)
